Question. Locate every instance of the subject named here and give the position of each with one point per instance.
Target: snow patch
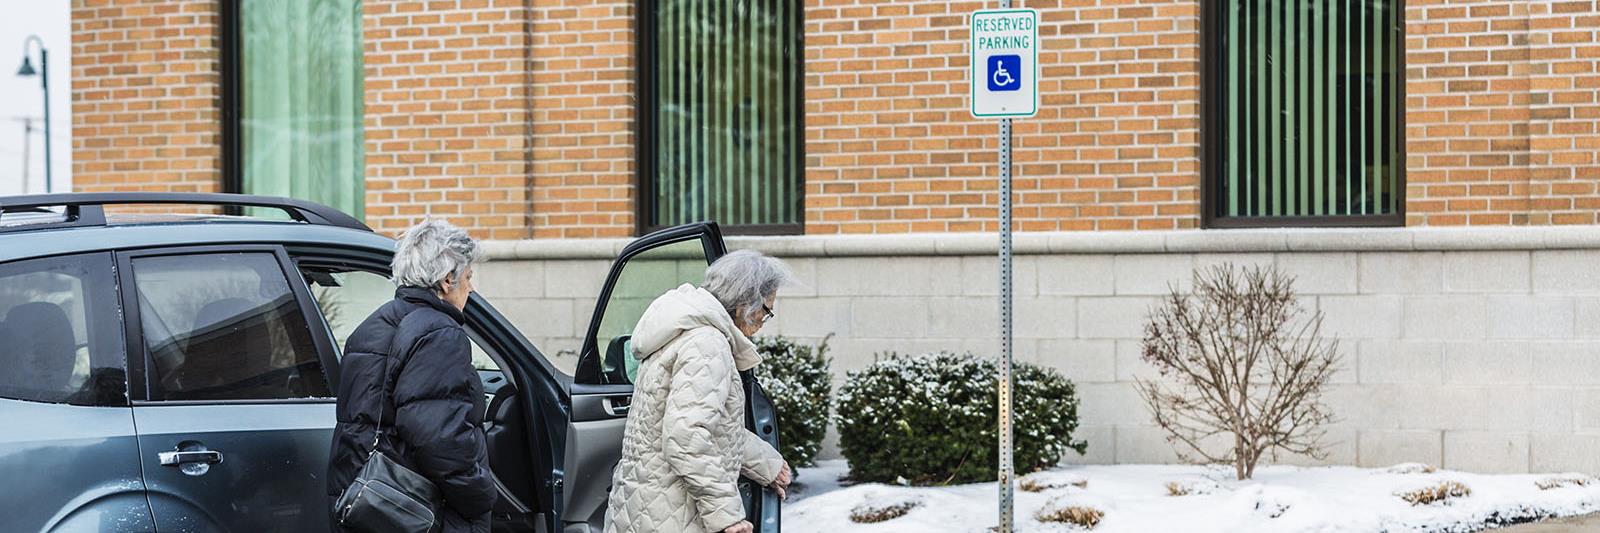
(1051, 480)
(1192, 487)
(1433, 493)
(1076, 510)
(1134, 499)
(1410, 468)
(1565, 480)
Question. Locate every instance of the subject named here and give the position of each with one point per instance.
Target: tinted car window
(61, 332)
(224, 327)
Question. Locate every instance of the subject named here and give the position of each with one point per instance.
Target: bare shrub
(1191, 487)
(1240, 359)
(1043, 481)
(874, 513)
(1432, 494)
(1409, 468)
(1083, 516)
(1565, 480)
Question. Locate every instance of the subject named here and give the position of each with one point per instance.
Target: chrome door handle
(176, 458)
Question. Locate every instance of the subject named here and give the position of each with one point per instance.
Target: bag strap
(384, 399)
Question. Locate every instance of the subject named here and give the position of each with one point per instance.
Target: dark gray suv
(171, 372)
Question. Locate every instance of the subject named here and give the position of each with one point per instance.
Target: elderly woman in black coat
(409, 365)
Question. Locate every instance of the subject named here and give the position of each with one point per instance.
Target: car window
(348, 297)
(224, 326)
(61, 332)
(643, 278)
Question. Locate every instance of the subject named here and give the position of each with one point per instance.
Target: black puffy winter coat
(414, 347)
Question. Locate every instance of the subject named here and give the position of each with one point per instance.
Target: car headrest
(43, 350)
(229, 339)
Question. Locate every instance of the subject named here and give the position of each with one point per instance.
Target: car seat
(227, 349)
(40, 358)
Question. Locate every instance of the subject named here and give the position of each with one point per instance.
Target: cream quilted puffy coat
(685, 445)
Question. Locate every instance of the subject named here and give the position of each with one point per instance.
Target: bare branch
(1239, 357)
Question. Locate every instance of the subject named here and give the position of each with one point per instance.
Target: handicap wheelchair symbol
(1005, 72)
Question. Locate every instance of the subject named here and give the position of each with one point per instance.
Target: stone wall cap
(1276, 240)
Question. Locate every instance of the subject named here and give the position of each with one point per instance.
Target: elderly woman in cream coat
(685, 445)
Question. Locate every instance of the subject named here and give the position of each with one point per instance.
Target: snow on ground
(1134, 498)
(824, 478)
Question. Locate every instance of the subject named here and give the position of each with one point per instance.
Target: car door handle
(618, 405)
(176, 458)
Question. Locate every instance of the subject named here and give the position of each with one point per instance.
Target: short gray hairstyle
(743, 280)
(429, 252)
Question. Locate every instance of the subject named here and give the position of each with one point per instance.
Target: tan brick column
(146, 91)
(892, 148)
(1503, 102)
(448, 118)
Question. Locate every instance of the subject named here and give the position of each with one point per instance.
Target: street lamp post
(44, 83)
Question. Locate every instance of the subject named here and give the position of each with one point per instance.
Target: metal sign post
(1007, 470)
(1005, 83)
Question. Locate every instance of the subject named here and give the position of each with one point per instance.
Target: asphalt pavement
(1579, 524)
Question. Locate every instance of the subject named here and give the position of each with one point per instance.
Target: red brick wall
(145, 96)
(891, 147)
(449, 131)
(583, 72)
(515, 117)
(1502, 112)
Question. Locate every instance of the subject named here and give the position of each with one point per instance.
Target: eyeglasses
(770, 314)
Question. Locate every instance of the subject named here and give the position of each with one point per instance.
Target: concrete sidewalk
(1579, 524)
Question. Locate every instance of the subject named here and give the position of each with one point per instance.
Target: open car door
(602, 389)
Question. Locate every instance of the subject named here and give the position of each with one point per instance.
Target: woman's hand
(744, 526)
(781, 484)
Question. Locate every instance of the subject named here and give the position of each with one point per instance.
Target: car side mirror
(620, 365)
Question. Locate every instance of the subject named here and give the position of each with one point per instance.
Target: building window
(720, 114)
(293, 101)
(1304, 119)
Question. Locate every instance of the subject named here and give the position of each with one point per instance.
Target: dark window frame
(645, 152)
(231, 93)
(228, 33)
(1214, 142)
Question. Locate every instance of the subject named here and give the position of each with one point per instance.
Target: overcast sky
(21, 97)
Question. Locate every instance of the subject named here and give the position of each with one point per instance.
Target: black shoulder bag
(386, 496)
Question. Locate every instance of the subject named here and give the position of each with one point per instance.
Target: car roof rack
(87, 209)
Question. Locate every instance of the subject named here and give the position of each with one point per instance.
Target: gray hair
(743, 280)
(432, 250)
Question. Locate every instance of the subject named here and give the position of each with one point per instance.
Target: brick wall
(145, 96)
(891, 147)
(1502, 112)
(447, 114)
(583, 114)
(515, 117)
(583, 72)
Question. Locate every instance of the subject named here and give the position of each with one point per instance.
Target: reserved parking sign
(1005, 63)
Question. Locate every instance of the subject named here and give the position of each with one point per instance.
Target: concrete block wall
(1480, 357)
